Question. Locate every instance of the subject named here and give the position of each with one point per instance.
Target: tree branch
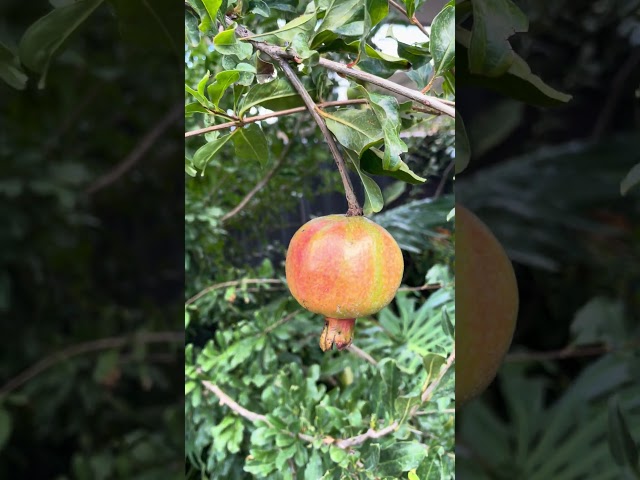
(87, 347)
(413, 19)
(276, 54)
(289, 111)
(362, 354)
(433, 385)
(139, 150)
(371, 433)
(231, 283)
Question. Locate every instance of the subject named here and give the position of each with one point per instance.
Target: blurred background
(548, 183)
(91, 251)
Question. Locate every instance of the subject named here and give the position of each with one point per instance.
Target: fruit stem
(338, 332)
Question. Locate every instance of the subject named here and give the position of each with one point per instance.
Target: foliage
(262, 400)
(88, 284)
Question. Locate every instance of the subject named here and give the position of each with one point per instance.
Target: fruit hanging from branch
(343, 267)
(486, 305)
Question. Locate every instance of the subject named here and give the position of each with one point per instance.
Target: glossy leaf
(226, 43)
(212, 7)
(336, 15)
(206, 153)
(355, 128)
(494, 21)
(223, 80)
(400, 457)
(373, 200)
(276, 95)
(251, 144)
(371, 162)
(385, 108)
(45, 36)
(442, 40)
(517, 82)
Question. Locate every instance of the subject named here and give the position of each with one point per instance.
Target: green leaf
(191, 31)
(494, 21)
(385, 108)
(203, 83)
(391, 378)
(355, 128)
(400, 457)
(10, 70)
(212, 7)
(223, 80)
(105, 365)
(374, 12)
(250, 143)
(630, 180)
(45, 36)
(621, 443)
(313, 469)
(195, 107)
(373, 200)
(418, 54)
(371, 162)
(300, 43)
(442, 40)
(371, 456)
(302, 24)
(5, 427)
(276, 95)
(338, 13)
(517, 82)
(463, 149)
(337, 454)
(227, 44)
(188, 168)
(205, 154)
(261, 8)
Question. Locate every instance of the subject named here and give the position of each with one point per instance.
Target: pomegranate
(343, 267)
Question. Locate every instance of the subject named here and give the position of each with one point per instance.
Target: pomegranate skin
(343, 267)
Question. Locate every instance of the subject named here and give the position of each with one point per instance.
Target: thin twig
(257, 417)
(414, 95)
(276, 54)
(231, 283)
(87, 347)
(139, 150)
(413, 19)
(281, 53)
(426, 286)
(371, 433)
(362, 354)
(265, 116)
(433, 385)
(260, 185)
(282, 321)
(443, 180)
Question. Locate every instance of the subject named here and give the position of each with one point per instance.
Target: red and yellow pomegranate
(486, 305)
(343, 267)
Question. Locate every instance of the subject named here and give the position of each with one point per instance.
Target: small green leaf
(191, 31)
(251, 144)
(278, 94)
(303, 23)
(630, 180)
(337, 455)
(355, 128)
(227, 44)
(442, 40)
(386, 109)
(313, 469)
(336, 15)
(45, 36)
(206, 153)
(372, 162)
(494, 21)
(212, 7)
(400, 457)
(372, 194)
(223, 80)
